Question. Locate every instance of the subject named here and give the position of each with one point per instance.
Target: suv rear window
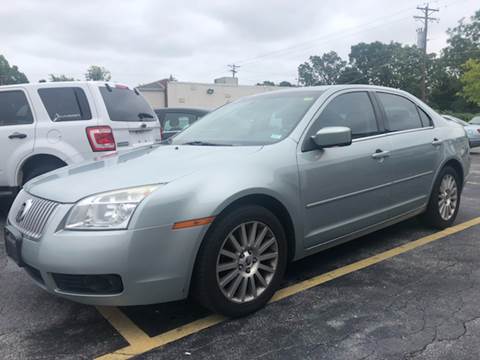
(14, 108)
(125, 105)
(65, 103)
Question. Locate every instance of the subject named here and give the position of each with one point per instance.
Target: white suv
(45, 126)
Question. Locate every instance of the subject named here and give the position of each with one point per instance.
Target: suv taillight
(101, 138)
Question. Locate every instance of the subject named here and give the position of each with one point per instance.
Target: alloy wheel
(247, 261)
(447, 197)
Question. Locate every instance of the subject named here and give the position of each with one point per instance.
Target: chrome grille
(31, 221)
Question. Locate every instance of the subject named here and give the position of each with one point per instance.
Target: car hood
(145, 166)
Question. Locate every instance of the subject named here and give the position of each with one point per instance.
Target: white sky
(146, 40)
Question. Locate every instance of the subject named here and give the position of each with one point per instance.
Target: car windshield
(475, 120)
(259, 120)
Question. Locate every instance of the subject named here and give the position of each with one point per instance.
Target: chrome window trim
(390, 133)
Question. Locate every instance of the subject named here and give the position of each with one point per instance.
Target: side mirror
(332, 136)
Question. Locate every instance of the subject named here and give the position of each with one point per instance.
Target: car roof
(52, 84)
(333, 88)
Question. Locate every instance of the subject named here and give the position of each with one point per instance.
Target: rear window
(402, 114)
(14, 108)
(65, 103)
(125, 105)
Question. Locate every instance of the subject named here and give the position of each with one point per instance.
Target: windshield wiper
(143, 115)
(204, 143)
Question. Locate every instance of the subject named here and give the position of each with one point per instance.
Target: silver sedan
(219, 211)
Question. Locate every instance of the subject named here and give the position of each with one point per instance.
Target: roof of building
(158, 85)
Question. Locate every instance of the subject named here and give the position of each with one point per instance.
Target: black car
(174, 120)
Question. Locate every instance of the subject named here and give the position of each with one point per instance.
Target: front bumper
(154, 264)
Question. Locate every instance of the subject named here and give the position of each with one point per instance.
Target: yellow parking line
(141, 343)
(131, 332)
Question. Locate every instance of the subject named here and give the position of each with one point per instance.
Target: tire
(437, 216)
(247, 265)
(38, 170)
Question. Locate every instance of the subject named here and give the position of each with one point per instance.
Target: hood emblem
(24, 209)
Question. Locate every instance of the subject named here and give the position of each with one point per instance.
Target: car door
(416, 151)
(17, 133)
(345, 189)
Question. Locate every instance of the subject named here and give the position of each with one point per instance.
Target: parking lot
(403, 292)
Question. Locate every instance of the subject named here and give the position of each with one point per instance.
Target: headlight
(110, 211)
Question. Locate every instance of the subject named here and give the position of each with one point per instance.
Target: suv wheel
(241, 263)
(445, 199)
(33, 172)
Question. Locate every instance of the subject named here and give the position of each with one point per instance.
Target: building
(171, 93)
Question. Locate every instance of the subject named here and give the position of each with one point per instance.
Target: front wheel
(445, 199)
(241, 262)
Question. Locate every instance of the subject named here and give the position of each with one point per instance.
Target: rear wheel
(445, 199)
(241, 262)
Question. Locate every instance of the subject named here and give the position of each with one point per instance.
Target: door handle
(17, 135)
(380, 154)
(436, 142)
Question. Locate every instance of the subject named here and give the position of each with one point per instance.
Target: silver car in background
(219, 211)
(472, 129)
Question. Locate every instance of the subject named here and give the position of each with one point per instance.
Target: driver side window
(353, 110)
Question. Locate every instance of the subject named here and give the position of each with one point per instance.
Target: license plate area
(141, 137)
(13, 246)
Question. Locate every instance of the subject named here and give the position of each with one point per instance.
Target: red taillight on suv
(101, 138)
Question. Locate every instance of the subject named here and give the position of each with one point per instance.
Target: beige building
(168, 93)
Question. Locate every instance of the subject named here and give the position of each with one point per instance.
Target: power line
(233, 69)
(423, 34)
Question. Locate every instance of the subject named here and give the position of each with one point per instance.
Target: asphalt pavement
(416, 304)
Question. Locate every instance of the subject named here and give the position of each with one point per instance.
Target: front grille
(107, 284)
(30, 214)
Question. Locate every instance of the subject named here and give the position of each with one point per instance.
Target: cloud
(144, 40)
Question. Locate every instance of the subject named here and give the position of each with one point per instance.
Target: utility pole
(423, 36)
(233, 69)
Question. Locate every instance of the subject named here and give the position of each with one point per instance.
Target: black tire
(205, 287)
(432, 216)
(33, 172)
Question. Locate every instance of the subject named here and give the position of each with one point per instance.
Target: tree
(392, 64)
(285, 84)
(61, 77)
(10, 74)
(98, 73)
(351, 75)
(266, 83)
(471, 81)
(463, 44)
(321, 70)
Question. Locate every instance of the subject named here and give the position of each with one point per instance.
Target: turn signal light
(193, 223)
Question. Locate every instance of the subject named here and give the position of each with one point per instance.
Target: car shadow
(159, 318)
